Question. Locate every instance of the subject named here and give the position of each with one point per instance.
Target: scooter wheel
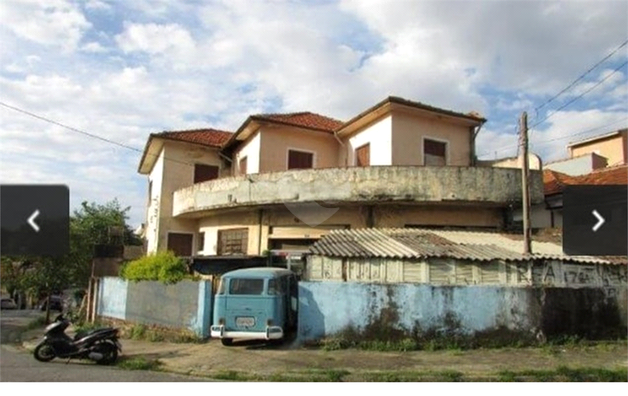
(109, 351)
(44, 353)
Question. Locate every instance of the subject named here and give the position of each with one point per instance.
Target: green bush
(161, 266)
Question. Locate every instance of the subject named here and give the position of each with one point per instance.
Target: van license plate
(245, 321)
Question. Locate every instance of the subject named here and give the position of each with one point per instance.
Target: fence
(387, 310)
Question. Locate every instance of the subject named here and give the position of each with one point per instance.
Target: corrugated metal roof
(424, 243)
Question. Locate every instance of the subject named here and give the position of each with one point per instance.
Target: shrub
(161, 266)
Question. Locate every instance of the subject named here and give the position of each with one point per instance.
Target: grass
(36, 323)
(138, 363)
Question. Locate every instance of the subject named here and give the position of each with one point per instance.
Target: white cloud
(54, 23)
(179, 65)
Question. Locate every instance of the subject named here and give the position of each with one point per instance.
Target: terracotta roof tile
(555, 182)
(605, 176)
(304, 119)
(206, 137)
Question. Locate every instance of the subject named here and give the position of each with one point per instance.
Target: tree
(89, 225)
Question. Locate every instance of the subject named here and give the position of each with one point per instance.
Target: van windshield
(250, 287)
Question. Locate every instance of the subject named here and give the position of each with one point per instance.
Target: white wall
(153, 207)
(379, 136)
(251, 150)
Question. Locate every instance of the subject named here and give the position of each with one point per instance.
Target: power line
(536, 109)
(48, 120)
(581, 95)
(543, 142)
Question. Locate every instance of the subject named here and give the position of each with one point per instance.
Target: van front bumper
(271, 333)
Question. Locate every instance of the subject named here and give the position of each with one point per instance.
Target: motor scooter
(100, 345)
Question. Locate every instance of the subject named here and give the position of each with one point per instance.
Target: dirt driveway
(212, 358)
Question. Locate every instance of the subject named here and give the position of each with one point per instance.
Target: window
(201, 242)
(300, 160)
(434, 153)
(276, 287)
(233, 241)
(363, 155)
(180, 244)
(242, 166)
(249, 287)
(205, 172)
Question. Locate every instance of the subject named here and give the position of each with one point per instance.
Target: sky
(120, 70)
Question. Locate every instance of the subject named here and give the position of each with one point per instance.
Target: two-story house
(281, 181)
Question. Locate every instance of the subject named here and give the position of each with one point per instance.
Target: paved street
(18, 365)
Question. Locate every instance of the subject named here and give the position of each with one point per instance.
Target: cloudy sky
(123, 69)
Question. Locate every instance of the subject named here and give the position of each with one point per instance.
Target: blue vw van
(255, 303)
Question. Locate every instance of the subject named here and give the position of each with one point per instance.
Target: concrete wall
(370, 184)
(185, 305)
(112, 297)
(276, 141)
(379, 311)
(410, 130)
(578, 166)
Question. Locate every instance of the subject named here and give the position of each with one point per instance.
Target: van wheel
(227, 341)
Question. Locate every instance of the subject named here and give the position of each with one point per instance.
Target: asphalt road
(18, 365)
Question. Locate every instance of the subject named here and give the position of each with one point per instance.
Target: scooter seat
(82, 334)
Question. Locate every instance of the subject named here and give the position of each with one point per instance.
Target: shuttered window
(300, 160)
(363, 155)
(434, 153)
(242, 166)
(205, 172)
(234, 241)
(180, 244)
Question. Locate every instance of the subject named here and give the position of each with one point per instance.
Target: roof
(304, 119)
(206, 137)
(616, 175)
(472, 116)
(555, 182)
(404, 243)
(259, 272)
(598, 137)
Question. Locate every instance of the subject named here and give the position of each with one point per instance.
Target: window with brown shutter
(363, 155)
(242, 166)
(180, 244)
(205, 172)
(300, 160)
(233, 241)
(434, 153)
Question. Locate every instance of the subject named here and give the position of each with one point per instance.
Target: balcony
(481, 185)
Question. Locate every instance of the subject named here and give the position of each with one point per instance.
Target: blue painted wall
(328, 307)
(185, 305)
(112, 295)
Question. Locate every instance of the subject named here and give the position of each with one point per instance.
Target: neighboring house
(550, 213)
(397, 164)
(588, 155)
(612, 146)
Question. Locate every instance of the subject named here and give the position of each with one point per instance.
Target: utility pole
(525, 185)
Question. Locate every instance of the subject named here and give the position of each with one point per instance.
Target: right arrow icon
(600, 221)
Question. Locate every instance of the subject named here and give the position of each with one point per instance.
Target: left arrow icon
(31, 220)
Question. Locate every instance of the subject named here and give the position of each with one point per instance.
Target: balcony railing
(500, 186)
